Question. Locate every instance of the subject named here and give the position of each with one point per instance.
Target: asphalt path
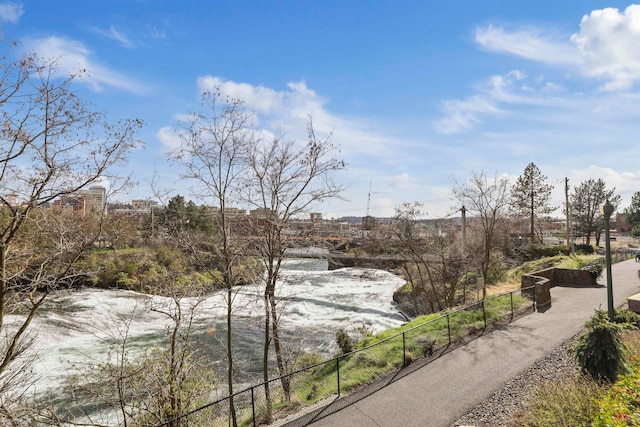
(438, 393)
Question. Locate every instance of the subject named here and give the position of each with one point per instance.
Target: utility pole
(568, 230)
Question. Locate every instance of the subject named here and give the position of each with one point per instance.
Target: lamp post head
(607, 209)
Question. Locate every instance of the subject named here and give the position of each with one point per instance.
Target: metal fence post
(404, 350)
(253, 407)
(512, 313)
(338, 372)
(484, 315)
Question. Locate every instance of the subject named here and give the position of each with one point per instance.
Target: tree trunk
(265, 358)
(532, 212)
(3, 283)
(232, 408)
(284, 380)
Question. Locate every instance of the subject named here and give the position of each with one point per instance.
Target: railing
(343, 373)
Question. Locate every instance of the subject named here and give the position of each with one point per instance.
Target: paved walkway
(440, 392)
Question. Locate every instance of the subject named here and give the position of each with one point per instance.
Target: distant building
(93, 199)
(368, 222)
(261, 213)
(11, 199)
(316, 217)
(233, 213)
(71, 204)
(144, 205)
(622, 226)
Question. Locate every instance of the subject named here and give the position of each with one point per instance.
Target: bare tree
(434, 265)
(414, 248)
(143, 387)
(286, 178)
(215, 150)
(53, 145)
(487, 200)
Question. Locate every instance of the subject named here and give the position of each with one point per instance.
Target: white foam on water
(74, 325)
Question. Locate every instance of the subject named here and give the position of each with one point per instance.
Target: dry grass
(561, 403)
(502, 288)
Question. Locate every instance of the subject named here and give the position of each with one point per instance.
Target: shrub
(306, 360)
(599, 351)
(547, 251)
(497, 268)
(627, 316)
(584, 249)
(344, 341)
(594, 268)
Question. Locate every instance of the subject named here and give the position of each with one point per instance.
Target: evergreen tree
(530, 196)
(585, 205)
(632, 214)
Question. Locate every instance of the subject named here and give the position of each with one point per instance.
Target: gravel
(498, 409)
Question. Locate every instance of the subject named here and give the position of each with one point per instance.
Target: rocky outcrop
(411, 303)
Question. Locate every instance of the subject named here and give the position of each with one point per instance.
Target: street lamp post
(607, 210)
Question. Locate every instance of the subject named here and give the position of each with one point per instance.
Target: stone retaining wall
(542, 281)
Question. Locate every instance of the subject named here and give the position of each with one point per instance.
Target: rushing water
(74, 326)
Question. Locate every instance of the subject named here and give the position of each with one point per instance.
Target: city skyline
(415, 94)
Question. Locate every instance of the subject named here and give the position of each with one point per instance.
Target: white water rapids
(73, 325)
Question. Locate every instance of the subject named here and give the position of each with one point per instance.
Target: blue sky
(416, 93)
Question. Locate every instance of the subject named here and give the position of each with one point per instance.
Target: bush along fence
(376, 356)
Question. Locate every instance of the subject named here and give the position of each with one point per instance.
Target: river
(74, 326)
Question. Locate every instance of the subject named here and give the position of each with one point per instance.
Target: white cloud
(492, 98)
(605, 47)
(462, 115)
(530, 43)
(403, 182)
(72, 57)
(11, 12)
(608, 43)
(259, 98)
(169, 138)
(113, 34)
(289, 109)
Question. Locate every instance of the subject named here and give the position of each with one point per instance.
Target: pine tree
(632, 213)
(585, 205)
(530, 196)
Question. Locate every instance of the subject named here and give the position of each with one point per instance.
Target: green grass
(381, 353)
(559, 261)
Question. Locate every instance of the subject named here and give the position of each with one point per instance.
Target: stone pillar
(543, 294)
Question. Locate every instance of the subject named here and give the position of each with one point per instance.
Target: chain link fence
(311, 385)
